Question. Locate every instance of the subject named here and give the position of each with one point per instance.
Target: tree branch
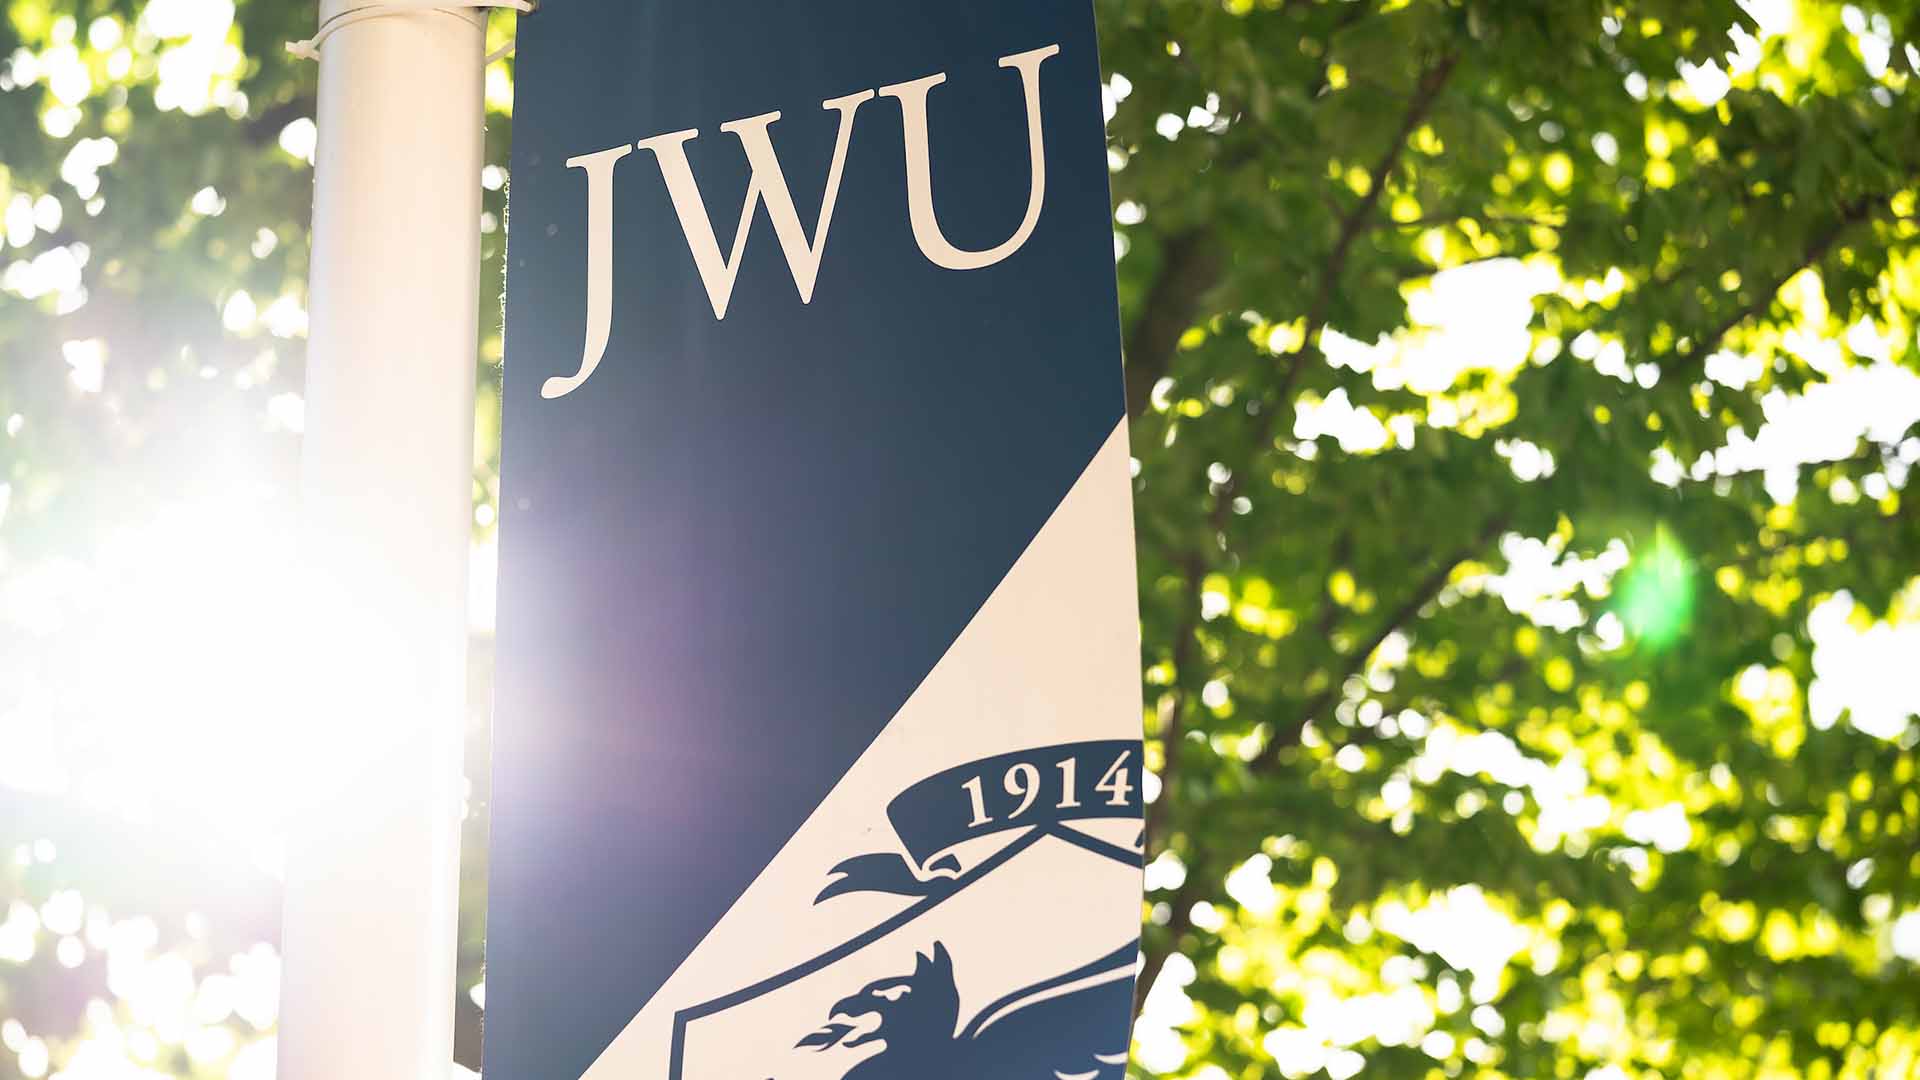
(1189, 266)
(1851, 214)
(1166, 300)
(264, 129)
(1355, 223)
(1478, 217)
(1172, 710)
(1179, 920)
(1422, 594)
(1425, 95)
(1154, 954)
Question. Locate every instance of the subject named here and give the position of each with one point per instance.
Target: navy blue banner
(813, 498)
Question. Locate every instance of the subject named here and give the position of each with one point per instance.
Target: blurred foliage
(1495, 675)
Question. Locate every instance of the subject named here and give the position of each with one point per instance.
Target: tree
(1327, 625)
(1498, 679)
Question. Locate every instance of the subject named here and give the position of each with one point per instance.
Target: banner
(816, 738)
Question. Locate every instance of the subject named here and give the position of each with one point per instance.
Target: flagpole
(369, 931)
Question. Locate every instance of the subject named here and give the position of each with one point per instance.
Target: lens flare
(1656, 598)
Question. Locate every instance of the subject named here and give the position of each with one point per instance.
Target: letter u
(926, 224)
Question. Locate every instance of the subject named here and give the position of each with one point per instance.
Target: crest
(978, 966)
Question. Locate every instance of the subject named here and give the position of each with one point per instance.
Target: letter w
(768, 183)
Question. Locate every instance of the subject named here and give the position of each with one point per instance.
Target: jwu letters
(768, 185)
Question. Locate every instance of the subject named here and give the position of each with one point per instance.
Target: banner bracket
(309, 48)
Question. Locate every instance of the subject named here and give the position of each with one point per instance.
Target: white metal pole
(371, 908)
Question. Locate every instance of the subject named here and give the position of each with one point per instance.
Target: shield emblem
(978, 963)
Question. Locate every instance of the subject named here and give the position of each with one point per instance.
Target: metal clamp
(309, 49)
